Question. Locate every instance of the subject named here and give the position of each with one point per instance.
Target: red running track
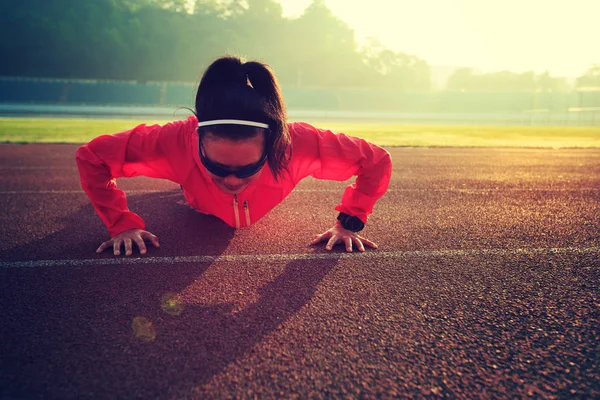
(485, 285)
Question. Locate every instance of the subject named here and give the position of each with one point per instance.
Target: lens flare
(172, 304)
(143, 329)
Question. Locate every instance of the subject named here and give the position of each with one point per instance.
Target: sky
(560, 36)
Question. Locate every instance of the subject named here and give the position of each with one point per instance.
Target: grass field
(70, 130)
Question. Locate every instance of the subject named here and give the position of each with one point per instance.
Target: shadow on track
(181, 231)
(66, 332)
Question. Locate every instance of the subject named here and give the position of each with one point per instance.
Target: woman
(236, 158)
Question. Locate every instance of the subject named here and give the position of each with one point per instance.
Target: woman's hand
(338, 234)
(127, 238)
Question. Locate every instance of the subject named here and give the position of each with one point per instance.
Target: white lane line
(36, 168)
(466, 190)
(462, 190)
(80, 191)
(294, 257)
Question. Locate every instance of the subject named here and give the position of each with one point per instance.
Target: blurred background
(446, 61)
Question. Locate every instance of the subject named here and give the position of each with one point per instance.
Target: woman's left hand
(338, 234)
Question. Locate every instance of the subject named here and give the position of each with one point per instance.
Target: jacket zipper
(247, 212)
(236, 211)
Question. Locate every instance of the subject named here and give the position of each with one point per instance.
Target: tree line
(174, 40)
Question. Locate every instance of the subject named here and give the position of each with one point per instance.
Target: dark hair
(233, 89)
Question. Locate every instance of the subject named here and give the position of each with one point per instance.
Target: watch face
(351, 223)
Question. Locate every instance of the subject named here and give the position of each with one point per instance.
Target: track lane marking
(295, 257)
(459, 190)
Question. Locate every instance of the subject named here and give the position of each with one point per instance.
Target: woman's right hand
(127, 238)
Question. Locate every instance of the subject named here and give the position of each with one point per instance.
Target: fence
(575, 107)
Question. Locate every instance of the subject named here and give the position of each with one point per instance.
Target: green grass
(62, 130)
(68, 130)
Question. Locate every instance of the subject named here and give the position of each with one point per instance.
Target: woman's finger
(128, 246)
(358, 244)
(150, 237)
(140, 244)
(317, 239)
(104, 246)
(348, 241)
(368, 242)
(332, 241)
(116, 247)
(321, 237)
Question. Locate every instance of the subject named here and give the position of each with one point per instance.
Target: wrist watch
(351, 223)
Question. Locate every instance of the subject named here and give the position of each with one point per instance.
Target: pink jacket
(171, 152)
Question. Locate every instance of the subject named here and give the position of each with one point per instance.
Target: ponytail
(263, 80)
(231, 89)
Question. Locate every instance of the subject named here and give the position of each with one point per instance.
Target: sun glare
(490, 35)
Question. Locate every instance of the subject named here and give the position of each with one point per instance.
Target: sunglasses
(241, 172)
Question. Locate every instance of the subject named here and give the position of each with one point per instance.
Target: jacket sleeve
(141, 151)
(324, 154)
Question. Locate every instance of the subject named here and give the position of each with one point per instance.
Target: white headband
(234, 122)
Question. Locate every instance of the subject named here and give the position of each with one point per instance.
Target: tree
(590, 78)
(547, 83)
(175, 39)
(320, 50)
(465, 79)
(395, 70)
(461, 80)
